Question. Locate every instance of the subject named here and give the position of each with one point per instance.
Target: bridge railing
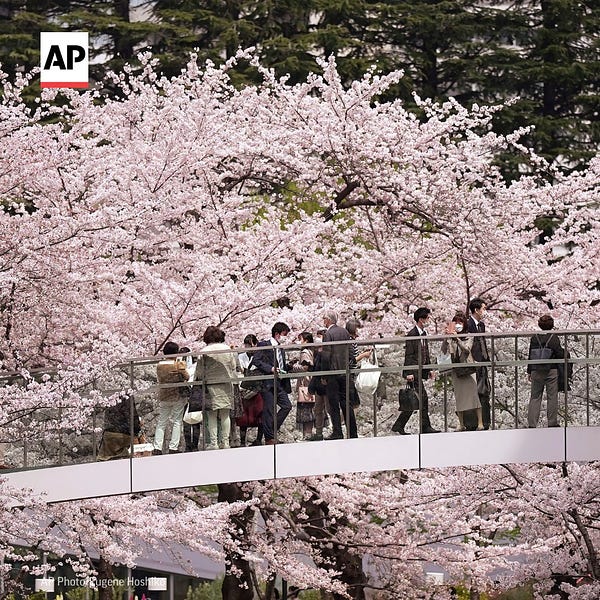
(70, 430)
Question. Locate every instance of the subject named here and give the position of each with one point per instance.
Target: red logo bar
(64, 84)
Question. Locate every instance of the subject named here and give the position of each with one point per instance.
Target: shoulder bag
(463, 356)
(408, 398)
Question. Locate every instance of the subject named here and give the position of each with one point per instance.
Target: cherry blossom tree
(488, 529)
(187, 202)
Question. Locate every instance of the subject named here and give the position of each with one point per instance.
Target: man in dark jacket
(336, 358)
(116, 438)
(270, 360)
(546, 346)
(416, 353)
(480, 353)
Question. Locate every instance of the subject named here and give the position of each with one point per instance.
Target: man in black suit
(480, 353)
(336, 358)
(271, 361)
(417, 353)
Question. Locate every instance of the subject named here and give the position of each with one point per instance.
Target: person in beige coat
(217, 370)
(171, 399)
(464, 379)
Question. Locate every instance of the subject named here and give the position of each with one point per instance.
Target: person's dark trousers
(485, 410)
(191, 433)
(336, 396)
(483, 390)
(267, 416)
(406, 414)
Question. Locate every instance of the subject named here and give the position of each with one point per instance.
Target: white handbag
(192, 417)
(367, 381)
(444, 361)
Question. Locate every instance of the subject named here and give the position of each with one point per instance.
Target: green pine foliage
(542, 55)
(205, 591)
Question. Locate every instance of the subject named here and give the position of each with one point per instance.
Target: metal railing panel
(582, 443)
(55, 441)
(75, 482)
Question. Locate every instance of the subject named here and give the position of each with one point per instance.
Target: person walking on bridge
(477, 308)
(270, 360)
(417, 354)
(336, 358)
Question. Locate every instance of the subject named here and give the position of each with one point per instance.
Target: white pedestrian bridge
(135, 475)
(376, 449)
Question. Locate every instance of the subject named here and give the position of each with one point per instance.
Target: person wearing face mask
(480, 353)
(271, 360)
(464, 380)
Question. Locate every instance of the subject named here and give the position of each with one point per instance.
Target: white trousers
(169, 412)
(217, 434)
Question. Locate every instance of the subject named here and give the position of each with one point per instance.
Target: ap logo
(64, 59)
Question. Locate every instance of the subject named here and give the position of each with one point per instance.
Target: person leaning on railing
(218, 370)
(546, 346)
(116, 437)
(171, 399)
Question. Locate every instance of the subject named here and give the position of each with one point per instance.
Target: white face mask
(458, 327)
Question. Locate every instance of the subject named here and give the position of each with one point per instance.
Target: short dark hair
(213, 335)
(279, 327)
(251, 340)
(421, 313)
(307, 336)
(546, 322)
(171, 348)
(475, 304)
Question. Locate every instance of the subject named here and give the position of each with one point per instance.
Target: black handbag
(408, 398)
(251, 387)
(196, 397)
(315, 386)
(461, 357)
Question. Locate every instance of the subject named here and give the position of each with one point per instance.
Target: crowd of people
(233, 393)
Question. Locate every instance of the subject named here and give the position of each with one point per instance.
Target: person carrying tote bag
(305, 400)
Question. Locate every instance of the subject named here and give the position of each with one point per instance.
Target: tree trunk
(122, 41)
(349, 564)
(237, 583)
(105, 573)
